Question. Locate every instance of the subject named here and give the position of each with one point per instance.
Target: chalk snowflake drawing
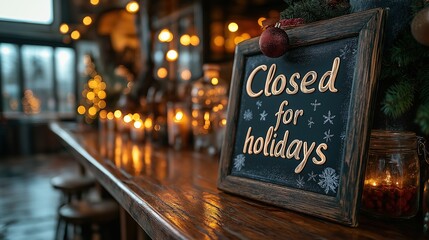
(312, 177)
(343, 135)
(310, 122)
(328, 136)
(329, 180)
(259, 104)
(239, 161)
(329, 118)
(248, 115)
(300, 182)
(347, 50)
(315, 104)
(263, 115)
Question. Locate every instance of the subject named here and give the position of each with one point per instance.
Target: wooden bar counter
(173, 195)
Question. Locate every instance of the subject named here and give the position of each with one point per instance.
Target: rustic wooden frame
(367, 27)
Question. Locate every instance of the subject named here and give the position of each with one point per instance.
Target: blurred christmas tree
(93, 94)
(404, 79)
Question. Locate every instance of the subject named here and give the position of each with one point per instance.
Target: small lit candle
(126, 123)
(111, 122)
(178, 125)
(118, 119)
(137, 131)
(148, 125)
(102, 120)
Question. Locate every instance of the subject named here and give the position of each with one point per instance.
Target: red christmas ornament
(274, 42)
(420, 27)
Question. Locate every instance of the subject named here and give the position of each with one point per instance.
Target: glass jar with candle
(208, 95)
(392, 176)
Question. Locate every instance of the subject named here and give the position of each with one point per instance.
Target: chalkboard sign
(300, 123)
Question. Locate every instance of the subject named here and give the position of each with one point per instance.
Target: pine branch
(398, 99)
(314, 10)
(424, 89)
(422, 118)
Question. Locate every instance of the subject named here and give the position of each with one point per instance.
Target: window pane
(65, 76)
(38, 79)
(30, 11)
(10, 75)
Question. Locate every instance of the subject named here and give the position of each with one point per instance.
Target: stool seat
(83, 212)
(70, 184)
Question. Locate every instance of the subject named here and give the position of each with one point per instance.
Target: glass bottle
(208, 94)
(392, 176)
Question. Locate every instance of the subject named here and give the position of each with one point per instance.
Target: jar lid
(393, 140)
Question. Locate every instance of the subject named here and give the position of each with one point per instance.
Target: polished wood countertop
(172, 194)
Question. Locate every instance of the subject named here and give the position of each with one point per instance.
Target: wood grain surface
(173, 195)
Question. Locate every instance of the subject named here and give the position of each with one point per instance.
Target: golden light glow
(260, 20)
(233, 27)
(94, 2)
(165, 35)
(92, 83)
(136, 155)
(101, 94)
(132, 7)
(148, 123)
(195, 40)
(238, 39)
(136, 117)
(215, 81)
(194, 123)
(103, 114)
(138, 124)
(64, 28)
(101, 104)
(223, 122)
(117, 114)
(179, 116)
(90, 96)
(186, 74)
(172, 55)
(185, 40)
(157, 127)
(206, 116)
(81, 110)
(87, 21)
(194, 113)
(92, 111)
(128, 118)
(110, 116)
(219, 41)
(162, 72)
(245, 36)
(75, 35)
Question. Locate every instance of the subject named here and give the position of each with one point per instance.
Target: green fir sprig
(399, 99)
(314, 10)
(404, 74)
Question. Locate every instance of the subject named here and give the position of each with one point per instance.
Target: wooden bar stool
(90, 218)
(72, 186)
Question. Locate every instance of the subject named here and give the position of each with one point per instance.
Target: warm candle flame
(110, 115)
(117, 114)
(148, 123)
(138, 124)
(179, 116)
(127, 118)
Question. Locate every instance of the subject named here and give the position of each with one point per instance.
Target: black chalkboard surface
(300, 123)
